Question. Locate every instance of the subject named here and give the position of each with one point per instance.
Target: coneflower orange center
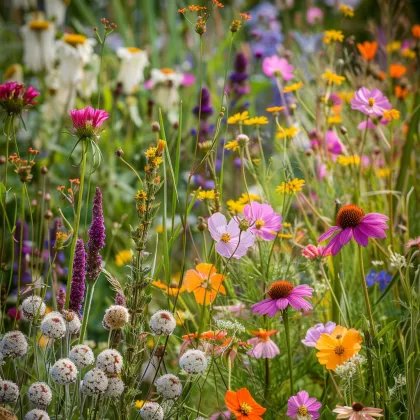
(302, 410)
(225, 238)
(280, 289)
(339, 350)
(357, 407)
(349, 215)
(245, 408)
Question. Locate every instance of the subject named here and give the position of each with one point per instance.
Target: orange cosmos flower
(213, 335)
(171, 290)
(205, 283)
(415, 30)
(397, 70)
(263, 334)
(243, 405)
(368, 50)
(401, 92)
(338, 347)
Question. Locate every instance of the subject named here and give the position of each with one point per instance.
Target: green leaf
(385, 329)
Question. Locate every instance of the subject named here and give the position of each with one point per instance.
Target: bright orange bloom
(263, 334)
(213, 335)
(401, 92)
(338, 347)
(368, 50)
(205, 283)
(243, 405)
(171, 290)
(190, 336)
(397, 70)
(415, 30)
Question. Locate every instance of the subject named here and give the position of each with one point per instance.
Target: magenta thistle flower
(262, 346)
(87, 122)
(262, 219)
(275, 66)
(351, 221)
(370, 102)
(77, 291)
(96, 239)
(231, 240)
(313, 334)
(357, 412)
(302, 405)
(282, 294)
(14, 97)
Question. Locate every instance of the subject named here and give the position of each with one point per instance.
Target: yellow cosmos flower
(348, 160)
(333, 78)
(291, 187)
(287, 132)
(293, 88)
(206, 195)
(346, 10)
(238, 118)
(333, 36)
(256, 121)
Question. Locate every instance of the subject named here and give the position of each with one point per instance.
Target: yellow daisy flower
(348, 160)
(232, 145)
(287, 132)
(206, 195)
(238, 118)
(333, 78)
(256, 121)
(123, 257)
(293, 88)
(291, 187)
(346, 10)
(333, 36)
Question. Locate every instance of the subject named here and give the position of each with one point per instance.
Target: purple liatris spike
(77, 291)
(61, 299)
(96, 239)
(120, 299)
(206, 108)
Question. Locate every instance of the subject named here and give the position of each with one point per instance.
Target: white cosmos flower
(24, 4)
(56, 9)
(38, 44)
(133, 63)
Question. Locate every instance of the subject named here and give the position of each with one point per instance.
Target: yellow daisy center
(133, 49)
(167, 70)
(302, 410)
(74, 39)
(259, 224)
(371, 101)
(245, 408)
(225, 238)
(339, 350)
(39, 25)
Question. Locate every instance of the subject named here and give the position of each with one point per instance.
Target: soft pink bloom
(370, 102)
(275, 66)
(351, 221)
(222, 415)
(414, 243)
(312, 252)
(314, 15)
(262, 346)
(231, 241)
(357, 412)
(262, 219)
(14, 97)
(333, 143)
(313, 334)
(366, 123)
(321, 171)
(301, 401)
(188, 79)
(238, 311)
(88, 121)
(334, 99)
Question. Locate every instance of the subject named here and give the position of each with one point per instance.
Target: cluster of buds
(14, 97)
(203, 15)
(108, 26)
(237, 23)
(23, 167)
(71, 192)
(60, 239)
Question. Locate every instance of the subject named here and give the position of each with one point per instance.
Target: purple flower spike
(77, 291)
(206, 108)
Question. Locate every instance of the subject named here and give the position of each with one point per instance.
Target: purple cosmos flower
(366, 124)
(262, 346)
(382, 278)
(275, 66)
(351, 221)
(313, 334)
(263, 220)
(87, 122)
(370, 102)
(231, 240)
(282, 294)
(333, 143)
(77, 290)
(14, 97)
(303, 405)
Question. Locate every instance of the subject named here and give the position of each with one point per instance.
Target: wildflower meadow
(209, 210)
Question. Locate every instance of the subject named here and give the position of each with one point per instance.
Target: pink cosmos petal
(360, 237)
(224, 249)
(148, 84)
(188, 79)
(233, 228)
(328, 233)
(217, 225)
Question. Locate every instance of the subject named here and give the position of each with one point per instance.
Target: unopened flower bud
(343, 130)
(244, 225)
(242, 139)
(47, 197)
(202, 225)
(2, 160)
(119, 152)
(44, 170)
(48, 214)
(155, 127)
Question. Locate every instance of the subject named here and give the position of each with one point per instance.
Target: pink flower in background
(238, 311)
(282, 294)
(303, 406)
(275, 66)
(313, 334)
(222, 415)
(370, 102)
(262, 346)
(88, 121)
(314, 15)
(312, 252)
(357, 412)
(262, 219)
(333, 143)
(414, 243)
(351, 221)
(321, 171)
(14, 97)
(231, 241)
(367, 123)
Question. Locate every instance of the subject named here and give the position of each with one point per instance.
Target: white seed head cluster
(13, 344)
(81, 355)
(115, 387)
(95, 382)
(64, 372)
(9, 392)
(151, 411)
(39, 393)
(33, 307)
(116, 316)
(400, 382)
(37, 414)
(169, 386)
(110, 361)
(397, 261)
(193, 362)
(72, 321)
(223, 324)
(349, 369)
(53, 326)
(320, 287)
(162, 323)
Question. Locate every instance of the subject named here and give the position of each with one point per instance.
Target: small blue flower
(382, 279)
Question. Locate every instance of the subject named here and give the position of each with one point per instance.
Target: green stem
(289, 348)
(88, 303)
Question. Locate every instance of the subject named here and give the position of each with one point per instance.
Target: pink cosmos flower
(414, 243)
(314, 15)
(357, 412)
(14, 97)
(275, 66)
(262, 346)
(88, 121)
(312, 252)
(370, 102)
(263, 221)
(321, 171)
(238, 311)
(282, 294)
(231, 240)
(351, 221)
(313, 334)
(303, 405)
(366, 124)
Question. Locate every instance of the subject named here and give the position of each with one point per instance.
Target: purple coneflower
(263, 221)
(370, 102)
(303, 406)
(351, 221)
(77, 290)
(313, 334)
(357, 412)
(87, 122)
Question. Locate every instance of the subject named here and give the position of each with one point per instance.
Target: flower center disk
(349, 215)
(371, 101)
(259, 224)
(245, 408)
(339, 350)
(280, 289)
(302, 410)
(357, 407)
(225, 238)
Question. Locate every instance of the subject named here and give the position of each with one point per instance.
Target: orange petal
(206, 270)
(192, 280)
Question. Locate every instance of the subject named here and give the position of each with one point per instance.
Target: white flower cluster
(9, 392)
(162, 323)
(349, 369)
(223, 324)
(73, 321)
(396, 260)
(53, 326)
(110, 361)
(82, 355)
(115, 387)
(95, 382)
(169, 386)
(320, 287)
(64, 372)
(400, 382)
(193, 362)
(36, 414)
(151, 411)
(39, 393)
(13, 344)
(33, 307)
(116, 316)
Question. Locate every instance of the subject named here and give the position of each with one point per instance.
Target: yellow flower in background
(333, 36)
(238, 118)
(348, 160)
(335, 119)
(123, 257)
(275, 109)
(247, 198)
(287, 132)
(293, 88)
(206, 195)
(333, 78)
(392, 114)
(408, 53)
(141, 195)
(232, 145)
(346, 96)
(256, 121)
(393, 46)
(172, 289)
(159, 229)
(291, 187)
(139, 403)
(346, 10)
(287, 225)
(285, 235)
(383, 172)
(235, 206)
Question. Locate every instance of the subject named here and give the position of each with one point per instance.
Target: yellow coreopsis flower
(346, 10)
(232, 145)
(238, 118)
(333, 36)
(293, 88)
(123, 257)
(346, 96)
(383, 172)
(348, 160)
(247, 198)
(206, 195)
(275, 109)
(291, 187)
(331, 78)
(335, 119)
(235, 206)
(287, 132)
(256, 121)
(392, 114)
(408, 53)
(393, 46)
